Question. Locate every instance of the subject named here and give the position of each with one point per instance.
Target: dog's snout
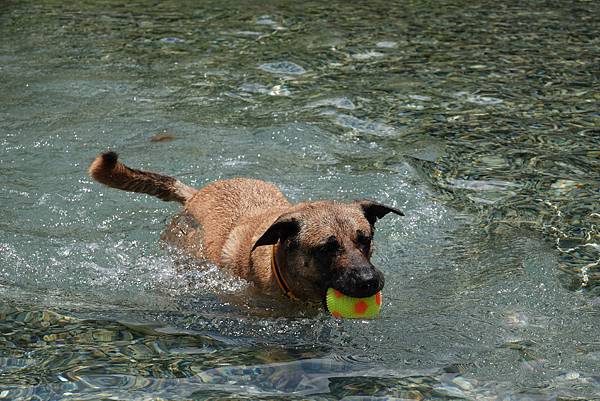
(360, 281)
(369, 282)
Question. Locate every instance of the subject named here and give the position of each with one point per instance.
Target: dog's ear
(374, 210)
(286, 225)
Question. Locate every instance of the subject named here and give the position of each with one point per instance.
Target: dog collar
(279, 276)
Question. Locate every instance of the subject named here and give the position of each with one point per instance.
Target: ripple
(276, 90)
(309, 376)
(247, 33)
(282, 67)
(14, 364)
(482, 185)
(478, 99)
(337, 102)
(172, 40)
(265, 20)
(483, 100)
(368, 55)
(364, 125)
(420, 97)
(385, 44)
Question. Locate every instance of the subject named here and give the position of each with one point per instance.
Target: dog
(249, 228)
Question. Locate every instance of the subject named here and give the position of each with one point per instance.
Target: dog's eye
(292, 243)
(364, 242)
(331, 245)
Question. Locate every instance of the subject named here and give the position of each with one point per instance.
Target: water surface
(478, 120)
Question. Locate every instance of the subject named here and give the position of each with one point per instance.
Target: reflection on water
(479, 121)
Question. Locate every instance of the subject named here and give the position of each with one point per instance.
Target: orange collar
(279, 276)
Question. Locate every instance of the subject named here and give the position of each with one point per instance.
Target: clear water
(479, 120)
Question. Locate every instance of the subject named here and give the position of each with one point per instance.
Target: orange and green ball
(344, 306)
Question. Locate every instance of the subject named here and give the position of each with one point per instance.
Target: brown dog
(249, 228)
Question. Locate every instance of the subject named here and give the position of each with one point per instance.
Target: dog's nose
(367, 282)
(360, 281)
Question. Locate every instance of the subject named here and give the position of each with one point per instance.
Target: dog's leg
(108, 171)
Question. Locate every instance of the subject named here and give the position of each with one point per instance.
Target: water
(478, 120)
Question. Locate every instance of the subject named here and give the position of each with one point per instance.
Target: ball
(340, 305)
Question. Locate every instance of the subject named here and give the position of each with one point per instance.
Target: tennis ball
(340, 305)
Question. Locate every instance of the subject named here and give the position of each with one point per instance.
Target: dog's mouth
(357, 293)
(355, 287)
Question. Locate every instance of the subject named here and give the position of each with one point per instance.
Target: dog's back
(222, 205)
(214, 210)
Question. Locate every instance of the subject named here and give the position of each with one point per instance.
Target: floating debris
(162, 138)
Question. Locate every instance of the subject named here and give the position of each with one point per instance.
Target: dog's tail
(108, 171)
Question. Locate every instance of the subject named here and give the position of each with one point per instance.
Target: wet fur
(107, 170)
(235, 224)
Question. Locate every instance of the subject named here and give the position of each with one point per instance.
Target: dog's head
(328, 244)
